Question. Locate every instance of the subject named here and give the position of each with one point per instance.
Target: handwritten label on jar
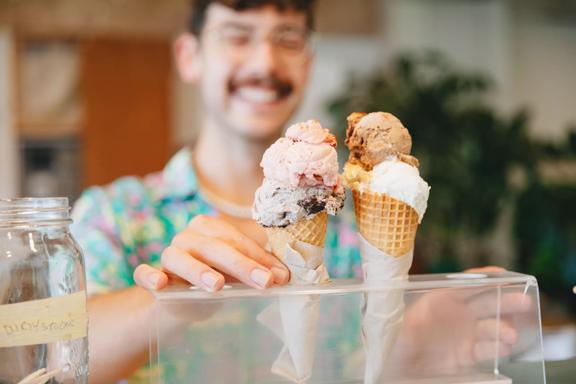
(43, 321)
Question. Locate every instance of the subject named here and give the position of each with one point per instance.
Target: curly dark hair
(200, 7)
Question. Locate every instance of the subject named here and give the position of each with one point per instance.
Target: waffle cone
(311, 231)
(387, 223)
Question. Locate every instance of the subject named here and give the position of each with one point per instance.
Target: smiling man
(251, 60)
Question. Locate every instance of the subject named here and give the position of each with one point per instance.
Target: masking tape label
(43, 321)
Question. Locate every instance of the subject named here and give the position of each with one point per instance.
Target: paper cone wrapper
(385, 222)
(294, 318)
(382, 311)
(387, 229)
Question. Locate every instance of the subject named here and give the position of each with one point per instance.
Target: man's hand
(447, 330)
(210, 252)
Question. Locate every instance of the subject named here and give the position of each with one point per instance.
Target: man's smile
(258, 95)
(266, 91)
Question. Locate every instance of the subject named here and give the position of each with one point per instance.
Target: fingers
(491, 338)
(205, 251)
(494, 338)
(486, 269)
(492, 330)
(486, 305)
(226, 232)
(209, 252)
(184, 265)
(150, 278)
(488, 350)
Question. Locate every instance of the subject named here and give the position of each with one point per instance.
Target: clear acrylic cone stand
(455, 329)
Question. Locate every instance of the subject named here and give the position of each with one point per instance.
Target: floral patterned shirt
(133, 219)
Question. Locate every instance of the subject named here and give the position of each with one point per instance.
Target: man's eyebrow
(236, 24)
(290, 26)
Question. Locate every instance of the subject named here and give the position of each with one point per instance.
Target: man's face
(253, 68)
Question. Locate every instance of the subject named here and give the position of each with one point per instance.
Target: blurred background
(89, 93)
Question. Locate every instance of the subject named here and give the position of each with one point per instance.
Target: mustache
(281, 86)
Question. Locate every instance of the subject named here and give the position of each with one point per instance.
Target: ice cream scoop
(304, 158)
(279, 206)
(393, 178)
(375, 136)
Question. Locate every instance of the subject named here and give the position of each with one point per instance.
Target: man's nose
(265, 58)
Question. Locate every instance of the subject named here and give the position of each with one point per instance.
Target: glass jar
(43, 318)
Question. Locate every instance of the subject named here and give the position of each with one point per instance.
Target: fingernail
(153, 279)
(260, 277)
(209, 279)
(282, 275)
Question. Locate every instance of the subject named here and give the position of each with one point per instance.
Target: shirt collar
(179, 176)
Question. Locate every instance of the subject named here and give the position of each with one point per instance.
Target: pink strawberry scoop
(306, 157)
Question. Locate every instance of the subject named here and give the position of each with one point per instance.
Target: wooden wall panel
(126, 88)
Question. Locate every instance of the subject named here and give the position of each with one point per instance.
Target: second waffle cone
(387, 223)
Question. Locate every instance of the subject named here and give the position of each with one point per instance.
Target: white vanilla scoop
(393, 178)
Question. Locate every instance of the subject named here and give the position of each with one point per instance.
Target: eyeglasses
(239, 38)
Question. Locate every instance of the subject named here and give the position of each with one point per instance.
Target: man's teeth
(257, 95)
